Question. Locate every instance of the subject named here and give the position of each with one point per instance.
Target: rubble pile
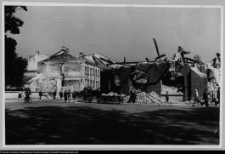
(144, 98)
(153, 98)
(149, 98)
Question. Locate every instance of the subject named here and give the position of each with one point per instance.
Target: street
(54, 122)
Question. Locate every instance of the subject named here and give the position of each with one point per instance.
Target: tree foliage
(12, 23)
(14, 66)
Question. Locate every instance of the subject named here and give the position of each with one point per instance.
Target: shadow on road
(88, 125)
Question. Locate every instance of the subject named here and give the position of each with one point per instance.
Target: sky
(119, 32)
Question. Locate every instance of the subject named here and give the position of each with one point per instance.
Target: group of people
(25, 95)
(67, 95)
(215, 97)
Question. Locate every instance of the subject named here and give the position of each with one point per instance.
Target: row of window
(92, 71)
(92, 83)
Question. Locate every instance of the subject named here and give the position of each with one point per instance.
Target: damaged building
(32, 67)
(62, 71)
(178, 78)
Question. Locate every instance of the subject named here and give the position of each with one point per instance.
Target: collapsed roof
(100, 60)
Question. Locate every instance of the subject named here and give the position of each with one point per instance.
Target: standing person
(27, 98)
(85, 95)
(74, 96)
(196, 96)
(20, 96)
(69, 94)
(218, 97)
(167, 97)
(132, 97)
(61, 94)
(65, 96)
(40, 94)
(205, 97)
(23, 94)
(214, 95)
(54, 94)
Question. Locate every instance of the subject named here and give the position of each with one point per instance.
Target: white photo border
(112, 147)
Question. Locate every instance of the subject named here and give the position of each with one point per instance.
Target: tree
(14, 66)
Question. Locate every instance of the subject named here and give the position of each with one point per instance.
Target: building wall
(92, 76)
(56, 74)
(147, 78)
(33, 61)
(44, 84)
(125, 83)
(185, 71)
(156, 88)
(193, 79)
(53, 70)
(73, 69)
(75, 76)
(198, 81)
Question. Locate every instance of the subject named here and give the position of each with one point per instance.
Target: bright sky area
(119, 32)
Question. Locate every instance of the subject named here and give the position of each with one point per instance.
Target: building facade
(154, 76)
(63, 71)
(32, 66)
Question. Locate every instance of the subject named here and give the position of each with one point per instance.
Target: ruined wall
(106, 80)
(144, 77)
(156, 72)
(72, 70)
(55, 70)
(32, 64)
(156, 88)
(124, 83)
(41, 68)
(34, 85)
(33, 61)
(198, 81)
(44, 84)
(185, 71)
(72, 85)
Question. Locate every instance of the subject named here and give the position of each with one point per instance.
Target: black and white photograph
(116, 75)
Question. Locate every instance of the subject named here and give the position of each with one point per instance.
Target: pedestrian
(23, 95)
(74, 96)
(61, 94)
(167, 97)
(65, 96)
(54, 94)
(27, 98)
(69, 94)
(196, 96)
(214, 95)
(205, 97)
(40, 94)
(85, 95)
(132, 97)
(218, 97)
(20, 95)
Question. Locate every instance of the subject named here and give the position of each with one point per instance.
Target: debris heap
(150, 98)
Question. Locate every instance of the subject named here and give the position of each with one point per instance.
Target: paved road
(55, 122)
